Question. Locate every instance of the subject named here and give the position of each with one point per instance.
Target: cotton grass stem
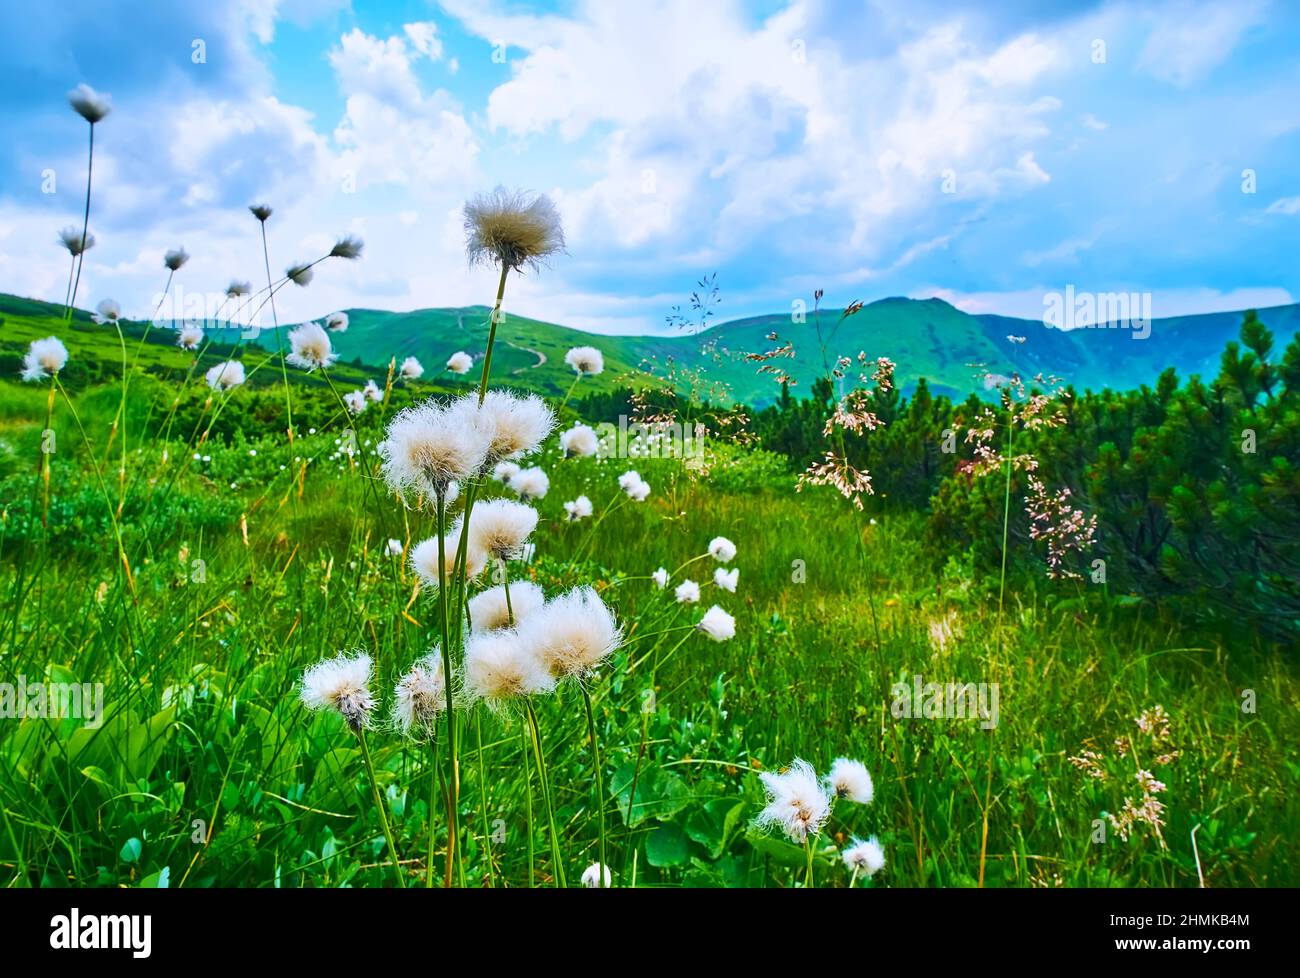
(379, 807)
(546, 792)
(595, 763)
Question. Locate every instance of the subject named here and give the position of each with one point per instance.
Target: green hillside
(924, 337)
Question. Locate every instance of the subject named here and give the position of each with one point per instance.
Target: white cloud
(424, 38)
(1285, 205)
(1189, 40)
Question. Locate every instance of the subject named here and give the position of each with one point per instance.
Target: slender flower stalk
(538, 755)
(92, 107)
(379, 807)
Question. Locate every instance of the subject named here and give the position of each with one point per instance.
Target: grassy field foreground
(248, 560)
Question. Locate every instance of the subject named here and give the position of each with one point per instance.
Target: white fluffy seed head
(660, 577)
(585, 360)
(460, 362)
(411, 369)
(424, 558)
(726, 579)
(864, 856)
(574, 633)
(511, 228)
(579, 440)
(355, 400)
(513, 425)
(850, 779)
(596, 877)
(337, 322)
(500, 527)
(343, 684)
(311, 347)
(419, 697)
(189, 336)
(237, 288)
(638, 491)
(395, 547)
(722, 550)
(175, 259)
(107, 312)
(372, 391)
(489, 610)
(70, 237)
(797, 803)
(579, 509)
(90, 104)
(505, 471)
(530, 483)
(427, 449)
(687, 592)
(629, 478)
(300, 274)
(226, 375)
(717, 624)
(502, 665)
(44, 358)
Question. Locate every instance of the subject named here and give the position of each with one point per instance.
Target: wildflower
(489, 610)
(864, 856)
(342, 684)
(107, 312)
(596, 877)
(530, 483)
(226, 375)
(427, 450)
(660, 577)
(574, 633)
(505, 471)
(726, 579)
(717, 624)
(579, 440)
(349, 246)
(261, 211)
(796, 801)
(636, 490)
(237, 288)
(411, 369)
(372, 391)
(189, 337)
(175, 259)
(299, 274)
(511, 424)
(44, 358)
(508, 229)
(460, 362)
(628, 478)
(579, 509)
(851, 779)
(501, 527)
(337, 322)
(71, 238)
(500, 665)
(355, 400)
(424, 558)
(90, 104)
(585, 360)
(311, 347)
(688, 592)
(420, 696)
(394, 547)
(722, 550)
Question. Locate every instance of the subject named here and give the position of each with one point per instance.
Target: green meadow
(191, 561)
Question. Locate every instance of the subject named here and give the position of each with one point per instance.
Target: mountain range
(929, 338)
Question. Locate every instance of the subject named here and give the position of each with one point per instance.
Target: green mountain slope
(924, 337)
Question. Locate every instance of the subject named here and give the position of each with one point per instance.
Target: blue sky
(987, 156)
